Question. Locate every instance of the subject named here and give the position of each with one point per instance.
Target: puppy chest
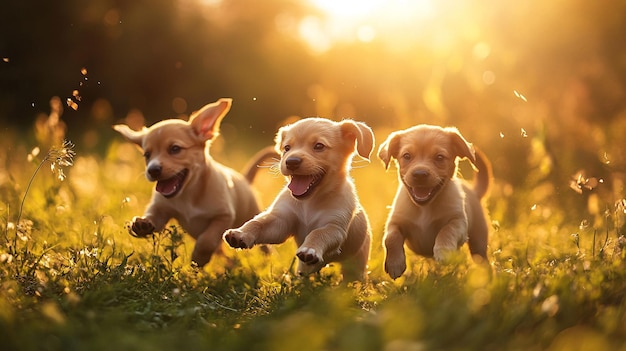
(420, 235)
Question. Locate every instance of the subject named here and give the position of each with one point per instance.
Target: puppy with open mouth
(434, 211)
(204, 196)
(319, 206)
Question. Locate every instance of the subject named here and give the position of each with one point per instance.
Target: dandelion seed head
(584, 224)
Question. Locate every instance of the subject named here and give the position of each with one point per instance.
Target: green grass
(71, 278)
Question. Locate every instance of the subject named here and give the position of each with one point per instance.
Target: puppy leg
(320, 242)
(210, 240)
(450, 238)
(478, 240)
(265, 228)
(395, 257)
(355, 268)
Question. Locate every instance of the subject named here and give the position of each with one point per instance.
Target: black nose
(420, 174)
(154, 171)
(293, 162)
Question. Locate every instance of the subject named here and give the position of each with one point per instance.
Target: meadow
(72, 278)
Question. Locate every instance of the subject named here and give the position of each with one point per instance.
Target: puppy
(434, 212)
(319, 206)
(204, 196)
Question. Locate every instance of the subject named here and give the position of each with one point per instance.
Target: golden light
(348, 9)
(364, 21)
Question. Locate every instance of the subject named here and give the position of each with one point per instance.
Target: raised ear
(133, 136)
(389, 148)
(278, 139)
(462, 147)
(206, 121)
(362, 134)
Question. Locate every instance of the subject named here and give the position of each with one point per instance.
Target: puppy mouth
(303, 185)
(421, 195)
(171, 186)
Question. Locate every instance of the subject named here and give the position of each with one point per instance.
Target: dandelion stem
(30, 182)
(59, 158)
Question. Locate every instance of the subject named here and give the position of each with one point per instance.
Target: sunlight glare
(346, 9)
(363, 20)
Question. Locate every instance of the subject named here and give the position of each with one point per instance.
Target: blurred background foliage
(539, 85)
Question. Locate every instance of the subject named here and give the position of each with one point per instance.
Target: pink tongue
(299, 184)
(167, 186)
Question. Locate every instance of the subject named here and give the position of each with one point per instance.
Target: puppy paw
(238, 239)
(309, 256)
(395, 269)
(141, 227)
(443, 254)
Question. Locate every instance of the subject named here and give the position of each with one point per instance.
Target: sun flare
(364, 20)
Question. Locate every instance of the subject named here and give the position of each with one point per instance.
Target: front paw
(141, 227)
(309, 256)
(395, 268)
(238, 239)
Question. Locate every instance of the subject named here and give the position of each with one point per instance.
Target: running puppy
(204, 196)
(434, 211)
(319, 206)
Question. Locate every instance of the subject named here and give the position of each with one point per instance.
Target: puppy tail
(251, 169)
(483, 178)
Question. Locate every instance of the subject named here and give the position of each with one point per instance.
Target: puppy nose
(420, 174)
(293, 162)
(154, 171)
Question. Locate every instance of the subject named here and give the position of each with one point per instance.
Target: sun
(363, 20)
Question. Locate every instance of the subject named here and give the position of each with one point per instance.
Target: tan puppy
(434, 211)
(204, 196)
(319, 207)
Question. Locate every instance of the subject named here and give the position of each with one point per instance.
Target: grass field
(71, 278)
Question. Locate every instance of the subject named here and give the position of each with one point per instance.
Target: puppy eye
(440, 158)
(146, 155)
(319, 147)
(174, 149)
(286, 148)
(406, 156)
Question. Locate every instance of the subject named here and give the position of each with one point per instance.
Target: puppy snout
(293, 162)
(420, 175)
(154, 171)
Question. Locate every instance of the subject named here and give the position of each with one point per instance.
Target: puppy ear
(363, 135)
(462, 147)
(389, 148)
(206, 121)
(278, 140)
(131, 135)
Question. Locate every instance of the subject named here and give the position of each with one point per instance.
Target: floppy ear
(131, 135)
(389, 148)
(462, 147)
(206, 121)
(363, 135)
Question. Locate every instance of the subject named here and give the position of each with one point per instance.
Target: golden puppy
(434, 211)
(204, 196)
(319, 207)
